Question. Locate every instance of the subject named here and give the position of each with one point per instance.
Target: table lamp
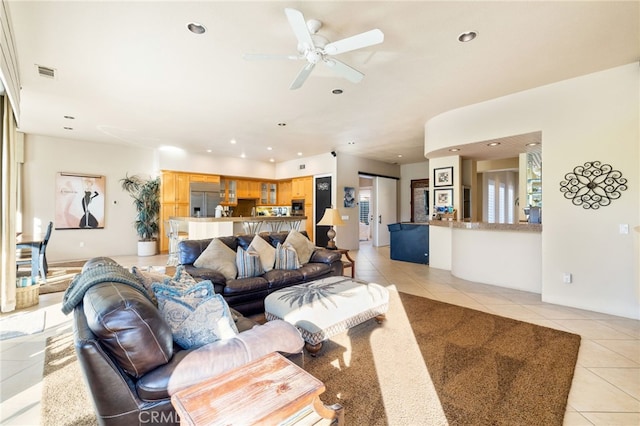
(331, 218)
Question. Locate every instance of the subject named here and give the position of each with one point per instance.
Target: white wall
(347, 172)
(409, 172)
(179, 160)
(46, 156)
(590, 118)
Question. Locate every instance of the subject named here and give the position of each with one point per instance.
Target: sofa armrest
(193, 366)
(322, 255)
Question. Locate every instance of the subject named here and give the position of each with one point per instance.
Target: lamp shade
(331, 217)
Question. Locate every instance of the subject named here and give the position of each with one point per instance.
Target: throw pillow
(286, 257)
(146, 279)
(266, 251)
(219, 257)
(181, 278)
(303, 246)
(197, 316)
(248, 263)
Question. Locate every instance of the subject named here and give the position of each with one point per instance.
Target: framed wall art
(349, 196)
(443, 176)
(443, 197)
(79, 201)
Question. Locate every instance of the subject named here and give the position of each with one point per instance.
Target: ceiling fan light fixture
(467, 36)
(196, 28)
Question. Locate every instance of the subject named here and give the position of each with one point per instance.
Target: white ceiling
(131, 73)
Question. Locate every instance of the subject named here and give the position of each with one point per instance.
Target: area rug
(428, 363)
(65, 399)
(22, 324)
(59, 275)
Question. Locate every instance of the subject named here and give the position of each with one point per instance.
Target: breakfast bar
(198, 228)
(502, 254)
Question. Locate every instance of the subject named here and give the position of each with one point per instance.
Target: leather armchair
(131, 365)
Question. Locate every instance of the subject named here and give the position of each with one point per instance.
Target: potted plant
(146, 197)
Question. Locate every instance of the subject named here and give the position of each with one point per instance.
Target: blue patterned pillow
(286, 257)
(248, 263)
(196, 314)
(181, 278)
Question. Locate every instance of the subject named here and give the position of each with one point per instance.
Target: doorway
(420, 200)
(384, 202)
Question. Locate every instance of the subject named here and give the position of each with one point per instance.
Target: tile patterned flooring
(605, 389)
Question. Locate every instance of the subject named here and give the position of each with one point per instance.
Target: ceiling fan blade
(302, 76)
(357, 41)
(344, 70)
(299, 27)
(261, 56)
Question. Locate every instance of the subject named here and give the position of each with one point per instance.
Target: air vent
(46, 72)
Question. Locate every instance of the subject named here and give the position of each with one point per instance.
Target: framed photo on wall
(443, 176)
(443, 197)
(349, 196)
(80, 200)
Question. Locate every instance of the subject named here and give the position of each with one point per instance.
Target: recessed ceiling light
(242, 155)
(196, 28)
(232, 141)
(299, 154)
(272, 160)
(467, 36)
(454, 150)
(493, 144)
(337, 91)
(533, 144)
(209, 150)
(399, 155)
(69, 117)
(282, 124)
(68, 128)
(269, 148)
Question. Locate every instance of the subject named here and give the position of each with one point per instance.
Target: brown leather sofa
(131, 365)
(247, 294)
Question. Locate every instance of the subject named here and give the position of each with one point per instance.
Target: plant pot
(147, 248)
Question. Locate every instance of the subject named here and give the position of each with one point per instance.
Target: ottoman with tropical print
(323, 308)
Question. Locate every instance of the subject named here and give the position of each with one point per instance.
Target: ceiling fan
(314, 48)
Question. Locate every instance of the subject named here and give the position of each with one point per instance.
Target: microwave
(297, 207)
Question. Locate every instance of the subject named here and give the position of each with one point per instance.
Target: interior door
(385, 211)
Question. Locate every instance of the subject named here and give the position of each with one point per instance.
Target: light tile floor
(605, 389)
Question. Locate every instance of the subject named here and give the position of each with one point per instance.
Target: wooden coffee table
(269, 390)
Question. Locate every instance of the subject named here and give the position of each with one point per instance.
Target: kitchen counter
(237, 219)
(211, 227)
(503, 254)
(517, 227)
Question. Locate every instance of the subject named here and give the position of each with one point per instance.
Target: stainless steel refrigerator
(204, 199)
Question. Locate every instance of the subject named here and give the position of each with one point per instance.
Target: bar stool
(252, 227)
(175, 236)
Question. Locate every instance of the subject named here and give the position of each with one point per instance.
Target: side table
(269, 390)
(349, 263)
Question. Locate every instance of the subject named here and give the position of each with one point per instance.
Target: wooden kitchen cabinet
(248, 188)
(175, 187)
(268, 193)
(228, 192)
(168, 210)
(284, 193)
(204, 178)
(302, 188)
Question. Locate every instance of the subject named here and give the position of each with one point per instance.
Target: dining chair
(38, 257)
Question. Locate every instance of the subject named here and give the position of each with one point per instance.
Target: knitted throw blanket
(96, 275)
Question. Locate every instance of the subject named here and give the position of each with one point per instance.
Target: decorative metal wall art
(593, 185)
